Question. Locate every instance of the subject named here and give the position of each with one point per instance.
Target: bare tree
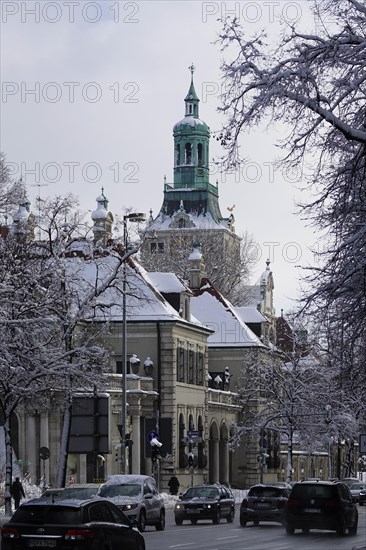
(230, 272)
(314, 83)
(10, 191)
(50, 290)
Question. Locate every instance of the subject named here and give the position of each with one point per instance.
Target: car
(350, 481)
(51, 493)
(321, 505)
(138, 497)
(264, 503)
(362, 497)
(80, 491)
(355, 489)
(208, 502)
(95, 524)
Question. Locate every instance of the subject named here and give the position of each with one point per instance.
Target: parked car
(138, 497)
(362, 497)
(321, 505)
(264, 503)
(355, 489)
(94, 524)
(209, 502)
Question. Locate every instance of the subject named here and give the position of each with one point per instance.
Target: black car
(362, 497)
(209, 502)
(264, 503)
(321, 505)
(70, 524)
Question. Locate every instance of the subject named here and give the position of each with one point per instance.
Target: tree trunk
(289, 456)
(8, 466)
(64, 447)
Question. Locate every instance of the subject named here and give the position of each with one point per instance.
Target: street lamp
(133, 217)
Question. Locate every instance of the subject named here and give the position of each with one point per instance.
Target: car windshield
(47, 514)
(124, 490)
(78, 492)
(201, 492)
(270, 492)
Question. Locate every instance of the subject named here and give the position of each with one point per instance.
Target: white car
(137, 496)
(355, 489)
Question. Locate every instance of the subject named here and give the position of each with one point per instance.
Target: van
(138, 497)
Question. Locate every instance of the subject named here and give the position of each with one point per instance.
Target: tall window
(188, 153)
(200, 154)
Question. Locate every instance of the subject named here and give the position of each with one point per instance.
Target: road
(206, 536)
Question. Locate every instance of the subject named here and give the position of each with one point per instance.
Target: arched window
(177, 154)
(200, 154)
(188, 153)
(182, 223)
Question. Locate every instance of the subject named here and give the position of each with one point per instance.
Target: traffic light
(155, 449)
(128, 441)
(190, 460)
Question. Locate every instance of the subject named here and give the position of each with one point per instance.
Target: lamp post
(133, 217)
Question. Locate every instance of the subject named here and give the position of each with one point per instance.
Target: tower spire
(191, 99)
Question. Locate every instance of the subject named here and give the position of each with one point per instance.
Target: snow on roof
(216, 313)
(168, 283)
(201, 221)
(143, 300)
(190, 121)
(251, 315)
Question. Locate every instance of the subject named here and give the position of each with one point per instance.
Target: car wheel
(160, 526)
(142, 521)
(341, 528)
(216, 518)
(194, 521)
(290, 530)
(178, 521)
(256, 522)
(353, 530)
(243, 522)
(231, 516)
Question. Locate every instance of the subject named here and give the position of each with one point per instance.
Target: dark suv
(210, 502)
(321, 505)
(264, 503)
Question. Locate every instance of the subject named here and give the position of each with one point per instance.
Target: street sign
(362, 444)
(193, 434)
(152, 435)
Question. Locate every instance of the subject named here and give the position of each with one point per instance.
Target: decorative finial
(192, 68)
(267, 263)
(102, 191)
(165, 180)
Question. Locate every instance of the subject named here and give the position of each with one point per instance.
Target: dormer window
(182, 223)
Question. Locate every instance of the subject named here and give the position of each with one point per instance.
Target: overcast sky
(90, 94)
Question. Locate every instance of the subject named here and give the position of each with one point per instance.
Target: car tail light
(245, 503)
(293, 502)
(334, 504)
(79, 534)
(9, 533)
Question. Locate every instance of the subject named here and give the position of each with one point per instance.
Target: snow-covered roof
(211, 308)
(143, 300)
(190, 121)
(251, 315)
(167, 283)
(199, 221)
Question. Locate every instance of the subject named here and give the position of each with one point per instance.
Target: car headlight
(129, 507)
(179, 507)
